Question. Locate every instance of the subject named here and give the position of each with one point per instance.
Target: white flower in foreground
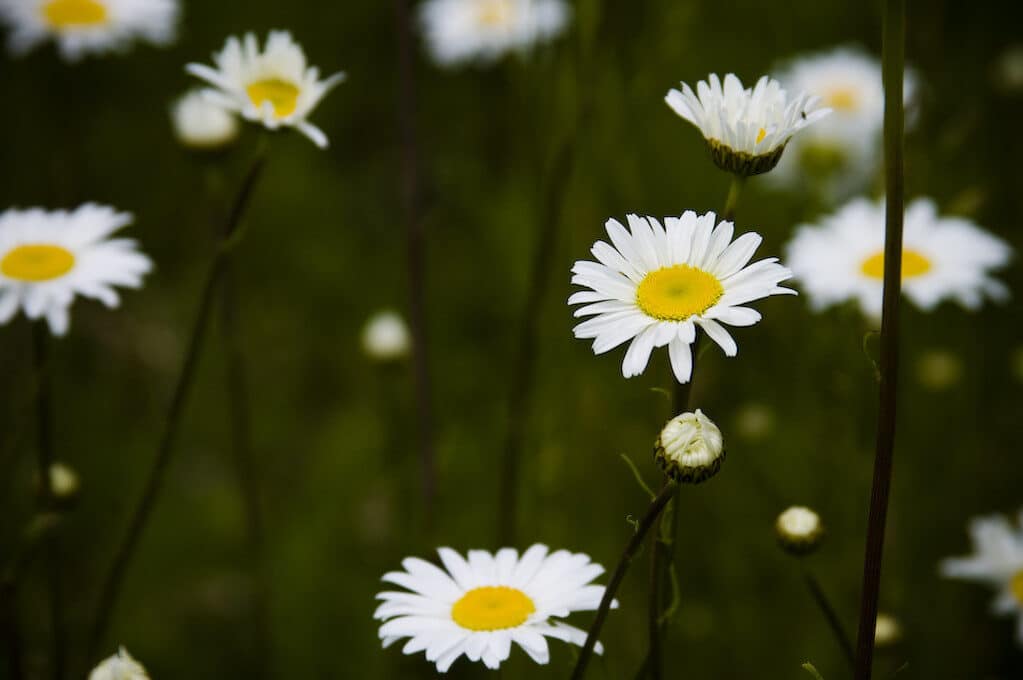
(480, 606)
(120, 666)
(386, 336)
(46, 258)
(202, 124)
(690, 448)
(799, 530)
(81, 27)
(842, 258)
(459, 31)
(657, 284)
(746, 129)
(997, 562)
(273, 86)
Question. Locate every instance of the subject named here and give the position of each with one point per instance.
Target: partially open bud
(690, 448)
(887, 630)
(799, 530)
(386, 337)
(120, 666)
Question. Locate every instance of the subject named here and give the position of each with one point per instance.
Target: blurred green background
(335, 435)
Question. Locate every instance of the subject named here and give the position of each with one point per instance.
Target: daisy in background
(120, 666)
(656, 285)
(842, 258)
(997, 562)
(48, 257)
(81, 27)
(202, 124)
(459, 31)
(479, 606)
(746, 128)
(272, 86)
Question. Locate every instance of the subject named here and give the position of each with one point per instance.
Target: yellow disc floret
(913, 264)
(678, 292)
(1016, 586)
(281, 94)
(842, 99)
(62, 14)
(37, 262)
(492, 608)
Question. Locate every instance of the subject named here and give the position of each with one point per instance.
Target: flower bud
(63, 483)
(887, 630)
(690, 448)
(799, 530)
(201, 124)
(120, 666)
(386, 337)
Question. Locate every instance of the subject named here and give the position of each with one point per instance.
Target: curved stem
(830, 615)
(165, 449)
(732, 201)
(893, 57)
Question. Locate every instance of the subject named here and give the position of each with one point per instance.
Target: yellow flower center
(281, 94)
(39, 262)
(492, 608)
(74, 13)
(913, 264)
(676, 293)
(842, 99)
(495, 12)
(1016, 586)
(761, 135)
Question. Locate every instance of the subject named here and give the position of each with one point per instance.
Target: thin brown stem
(830, 615)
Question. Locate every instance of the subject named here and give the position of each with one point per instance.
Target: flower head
(746, 129)
(657, 284)
(46, 258)
(81, 27)
(386, 336)
(690, 448)
(842, 258)
(480, 605)
(459, 31)
(273, 86)
(202, 124)
(799, 530)
(120, 666)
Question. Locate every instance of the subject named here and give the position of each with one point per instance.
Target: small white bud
(887, 630)
(799, 530)
(63, 482)
(690, 448)
(386, 337)
(120, 666)
(202, 124)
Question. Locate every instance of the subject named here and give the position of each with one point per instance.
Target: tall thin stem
(165, 449)
(830, 615)
(635, 541)
(416, 256)
(893, 58)
(732, 201)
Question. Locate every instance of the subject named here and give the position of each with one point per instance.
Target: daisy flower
(81, 27)
(459, 31)
(746, 129)
(479, 606)
(273, 86)
(202, 124)
(842, 258)
(997, 562)
(655, 285)
(46, 258)
(120, 666)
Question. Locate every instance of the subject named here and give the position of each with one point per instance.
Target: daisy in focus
(746, 128)
(842, 258)
(459, 31)
(46, 258)
(120, 666)
(479, 606)
(272, 86)
(202, 124)
(997, 561)
(656, 285)
(81, 27)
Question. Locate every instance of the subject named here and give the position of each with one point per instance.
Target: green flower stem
(165, 449)
(734, 191)
(830, 615)
(893, 58)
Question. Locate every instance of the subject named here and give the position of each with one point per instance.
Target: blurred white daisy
(842, 258)
(459, 31)
(479, 606)
(746, 129)
(202, 124)
(386, 337)
(81, 27)
(120, 666)
(46, 258)
(273, 86)
(657, 284)
(997, 561)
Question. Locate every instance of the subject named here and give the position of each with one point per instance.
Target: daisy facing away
(272, 86)
(479, 606)
(81, 27)
(997, 561)
(655, 285)
(842, 258)
(46, 258)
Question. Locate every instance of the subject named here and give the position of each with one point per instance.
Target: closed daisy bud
(386, 337)
(202, 124)
(887, 630)
(120, 666)
(64, 483)
(690, 448)
(799, 530)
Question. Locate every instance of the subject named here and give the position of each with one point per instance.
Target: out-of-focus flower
(46, 258)
(657, 284)
(690, 448)
(64, 482)
(799, 530)
(479, 606)
(459, 31)
(997, 561)
(120, 666)
(1008, 70)
(202, 124)
(386, 337)
(842, 258)
(887, 630)
(82, 27)
(754, 421)
(938, 369)
(746, 129)
(273, 86)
